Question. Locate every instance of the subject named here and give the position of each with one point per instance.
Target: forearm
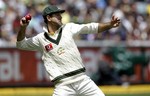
(21, 33)
(104, 26)
(115, 22)
(23, 25)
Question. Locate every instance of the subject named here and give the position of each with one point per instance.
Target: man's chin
(60, 24)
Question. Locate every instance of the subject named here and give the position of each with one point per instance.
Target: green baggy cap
(51, 9)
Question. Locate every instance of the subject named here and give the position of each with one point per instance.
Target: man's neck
(52, 29)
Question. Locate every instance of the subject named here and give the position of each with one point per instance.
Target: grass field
(128, 95)
(134, 90)
(51, 95)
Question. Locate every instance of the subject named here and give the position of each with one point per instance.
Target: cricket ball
(28, 17)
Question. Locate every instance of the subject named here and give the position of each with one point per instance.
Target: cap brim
(58, 11)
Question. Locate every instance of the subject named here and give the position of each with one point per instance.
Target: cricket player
(60, 54)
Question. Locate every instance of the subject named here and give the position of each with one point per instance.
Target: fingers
(115, 18)
(24, 22)
(116, 24)
(115, 21)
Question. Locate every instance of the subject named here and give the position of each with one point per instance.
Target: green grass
(129, 94)
(132, 90)
(51, 95)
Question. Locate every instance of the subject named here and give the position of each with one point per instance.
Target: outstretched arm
(115, 22)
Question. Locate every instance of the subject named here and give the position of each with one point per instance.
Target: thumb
(24, 22)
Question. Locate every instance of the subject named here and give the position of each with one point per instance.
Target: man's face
(55, 19)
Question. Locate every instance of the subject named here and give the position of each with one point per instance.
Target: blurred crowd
(134, 15)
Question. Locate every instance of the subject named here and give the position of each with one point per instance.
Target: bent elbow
(19, 45)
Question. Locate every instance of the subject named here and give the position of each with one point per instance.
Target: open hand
(115, 21)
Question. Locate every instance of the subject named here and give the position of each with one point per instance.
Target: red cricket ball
(28, 17)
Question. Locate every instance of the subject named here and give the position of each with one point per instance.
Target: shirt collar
(46, 30)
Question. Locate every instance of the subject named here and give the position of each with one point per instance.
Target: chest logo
(60, 51)
(49, 47)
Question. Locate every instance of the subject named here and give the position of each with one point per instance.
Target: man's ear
(48, 18)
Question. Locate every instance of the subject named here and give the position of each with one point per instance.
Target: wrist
(111, 25)
(23, 27)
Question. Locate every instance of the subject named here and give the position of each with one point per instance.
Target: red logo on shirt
(49, 47)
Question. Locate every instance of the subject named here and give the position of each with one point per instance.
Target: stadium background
(121, 54)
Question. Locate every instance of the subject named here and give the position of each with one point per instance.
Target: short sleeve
(84, 28)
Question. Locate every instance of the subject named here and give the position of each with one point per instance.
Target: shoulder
(81, 25)
(70, 25)
(40, 35)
